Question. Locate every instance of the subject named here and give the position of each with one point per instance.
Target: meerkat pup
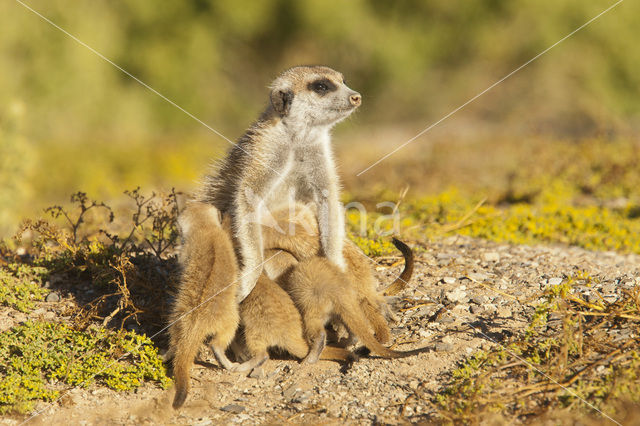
(302, 242)
(205, 303)
(286, 155)
(321, 291)
(270, 319)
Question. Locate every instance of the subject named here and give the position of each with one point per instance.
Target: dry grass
(576, 355)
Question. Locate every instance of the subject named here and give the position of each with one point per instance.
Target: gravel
(450, 317)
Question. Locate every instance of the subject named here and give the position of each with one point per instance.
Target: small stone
(504, 312)
(413, 384)
(49, 316)
(424, 333)
(449, 280)
(477, 276)
(19, 317)
(490, 307)
(233, 408)
(304, 397)
(444, 347)
(479, 299)
(554, 281)
(491, 256)
(460, 309)
(477, 309)
(290, 391)
(458, 295)
(447, 339)
(53, 297)
(446, 319)
(424, 311)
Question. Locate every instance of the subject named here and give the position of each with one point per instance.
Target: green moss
(37, 357)
(21, 286)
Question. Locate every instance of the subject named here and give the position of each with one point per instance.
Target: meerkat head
(313, 95)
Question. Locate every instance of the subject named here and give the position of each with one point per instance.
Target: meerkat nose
(355, 99)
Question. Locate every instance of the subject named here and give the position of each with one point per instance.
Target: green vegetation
(552, 221)
(128, 273)
(38, 360)
(21, 286)
(592, 227)
(579, 193)
(583, 354)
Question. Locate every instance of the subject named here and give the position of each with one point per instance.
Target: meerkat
(270, 319)
(205, 303)
(303, 243)
(321, 291)
(286, 155)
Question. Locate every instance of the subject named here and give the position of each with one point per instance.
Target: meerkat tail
(401, 282)
(182, 366)
(354, 321)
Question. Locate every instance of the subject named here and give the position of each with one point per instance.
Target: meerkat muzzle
(355, 99)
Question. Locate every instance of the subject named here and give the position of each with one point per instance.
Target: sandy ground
(466, 294)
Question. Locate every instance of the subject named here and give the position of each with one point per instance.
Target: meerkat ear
(281, 101)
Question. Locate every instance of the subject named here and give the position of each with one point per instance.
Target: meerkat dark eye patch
(322, 86)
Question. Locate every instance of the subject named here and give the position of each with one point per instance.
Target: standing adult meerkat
(286, 155)
(205, 302)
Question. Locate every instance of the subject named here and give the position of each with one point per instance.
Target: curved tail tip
(178, 400)
(400, 245)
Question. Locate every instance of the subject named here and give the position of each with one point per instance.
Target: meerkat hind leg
(317, 346)
(252, 364)
(221, 357)
(219, 345)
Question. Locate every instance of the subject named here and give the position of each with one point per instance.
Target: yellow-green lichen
(36, 358)
(21, 286)
(553, 219)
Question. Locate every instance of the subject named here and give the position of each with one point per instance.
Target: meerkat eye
(322, 86)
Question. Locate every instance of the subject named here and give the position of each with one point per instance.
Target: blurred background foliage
(70, 121)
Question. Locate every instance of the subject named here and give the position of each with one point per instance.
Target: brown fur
(303, 243)
(286, 152)
(205, 304)
(270, 319)
(320, 291)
